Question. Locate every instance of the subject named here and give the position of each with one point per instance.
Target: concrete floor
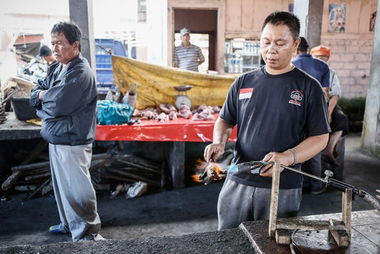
(170, 213)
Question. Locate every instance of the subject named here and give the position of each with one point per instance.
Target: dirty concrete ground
(227, 241)
(138, 225)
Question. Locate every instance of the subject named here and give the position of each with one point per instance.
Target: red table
(179, 130)
(176, 132)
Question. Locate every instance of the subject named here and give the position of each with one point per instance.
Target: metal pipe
(304, 173)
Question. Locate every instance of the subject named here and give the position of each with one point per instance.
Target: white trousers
(73, 190)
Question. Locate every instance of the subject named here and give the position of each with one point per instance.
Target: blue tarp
(111, 112)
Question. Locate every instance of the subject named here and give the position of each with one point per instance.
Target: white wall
(157, 40)
(301, 10)
(37, 16)
(112, 19)
(118, 19)
(28, 17)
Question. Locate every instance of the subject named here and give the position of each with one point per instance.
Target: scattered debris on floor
(130, 174)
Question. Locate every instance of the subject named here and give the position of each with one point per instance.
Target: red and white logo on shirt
(296, 98)
(245, 93)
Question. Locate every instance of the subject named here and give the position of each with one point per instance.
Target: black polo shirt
(273, 113)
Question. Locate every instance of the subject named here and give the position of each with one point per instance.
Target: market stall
(177, 132)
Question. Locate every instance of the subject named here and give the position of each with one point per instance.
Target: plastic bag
(136, 190)
(110, 112)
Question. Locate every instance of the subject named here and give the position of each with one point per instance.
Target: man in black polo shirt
(280, 113)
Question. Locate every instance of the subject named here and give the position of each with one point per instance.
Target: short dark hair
(303, 46)
(45, 51)
(284, 18)
(70, 30)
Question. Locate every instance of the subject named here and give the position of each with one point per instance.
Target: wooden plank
(370, 232)
(260, 240)
(283, 236)
(38, 165)
(341, 237)
(320, 241)
(358, 218)
(31, 166)
(133, 176)
(301, 224)
(33, 155)
(39, 188)
(37, 176)
(347, 209)
(7, 184)
(274, 199)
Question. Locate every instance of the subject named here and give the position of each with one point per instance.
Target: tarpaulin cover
(151, 130)
(156, 83)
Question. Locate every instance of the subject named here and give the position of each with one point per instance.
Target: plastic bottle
(241, 65)
(131, 96)
(257, 49)
(109, 95)
(231, 63)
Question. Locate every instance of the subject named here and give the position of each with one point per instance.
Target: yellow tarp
(156, 83)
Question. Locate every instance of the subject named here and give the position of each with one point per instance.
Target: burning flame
(196, 178)
(212, 168)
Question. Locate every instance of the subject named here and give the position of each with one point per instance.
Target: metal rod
(292, 169)
(304, 173)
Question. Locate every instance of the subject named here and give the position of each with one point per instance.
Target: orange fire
(214, 171)
(196, 178)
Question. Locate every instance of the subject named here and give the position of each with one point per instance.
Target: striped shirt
(188, 57)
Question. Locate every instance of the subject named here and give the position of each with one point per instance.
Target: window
(141, 11)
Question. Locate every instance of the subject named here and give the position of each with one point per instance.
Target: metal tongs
(256, 166)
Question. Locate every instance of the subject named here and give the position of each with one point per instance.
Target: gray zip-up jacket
(68, 108)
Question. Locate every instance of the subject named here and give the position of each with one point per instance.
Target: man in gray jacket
(66, 102)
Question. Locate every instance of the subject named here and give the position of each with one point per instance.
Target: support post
(274, 199)
(347, 209)
(177, 164)
(310, 14)
(81, 15)
(371, 122)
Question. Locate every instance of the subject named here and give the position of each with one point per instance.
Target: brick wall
(351, 58)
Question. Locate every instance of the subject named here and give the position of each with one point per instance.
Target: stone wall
(351, 58)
